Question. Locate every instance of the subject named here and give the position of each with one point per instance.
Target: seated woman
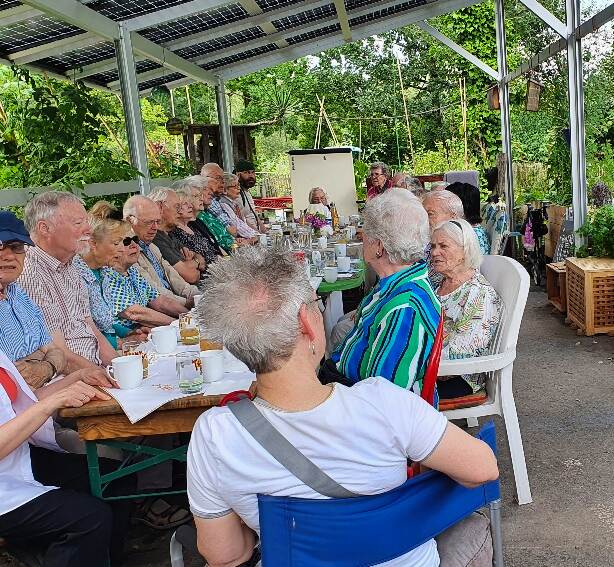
(132, 299)
(229, 205)
(396, 323)
(318, 203)
(260, 305)
(70, 527)
(472, 306)
(470, 196)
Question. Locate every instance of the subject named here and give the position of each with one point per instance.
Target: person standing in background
(246, 172)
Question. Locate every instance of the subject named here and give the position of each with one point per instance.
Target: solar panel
(80, 57)
(119, 10)
(160, 81)
(237, 38)
(304, 17)
(300, 38)
(239, 57)
(378, 14)
(32, 32)
(5, 4)
(268, 5)
(113, 75)
(195, 24)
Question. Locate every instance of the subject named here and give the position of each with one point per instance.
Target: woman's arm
(145, 315)
(167, 305)
(225, 541)
(19, 429)
(41, 365)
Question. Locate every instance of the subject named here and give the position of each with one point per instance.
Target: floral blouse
(471, 318)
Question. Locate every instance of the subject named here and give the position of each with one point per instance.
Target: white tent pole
(225, 128)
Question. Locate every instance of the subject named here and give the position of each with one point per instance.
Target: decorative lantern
(493, 98)
(174, 126)
(534, 90)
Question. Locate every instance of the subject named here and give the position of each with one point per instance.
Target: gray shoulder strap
(284, 452)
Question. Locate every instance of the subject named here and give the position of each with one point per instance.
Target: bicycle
(533, 231)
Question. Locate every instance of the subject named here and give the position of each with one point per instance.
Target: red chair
(430, 376)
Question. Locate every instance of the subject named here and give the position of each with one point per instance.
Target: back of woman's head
(104, 218)
(250, 304)
(470, 196)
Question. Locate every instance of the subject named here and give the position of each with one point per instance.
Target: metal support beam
(173, 13)
(576, 115)
(52, 49)
(17, 14)
(546, 16)
(132, 107)
(424, 26)
(225, 127)
(504, 99)
(344, 22)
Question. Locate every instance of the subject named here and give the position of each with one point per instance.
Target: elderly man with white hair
(396, 323)
(215, 176)
(58, 224)
(472, 306)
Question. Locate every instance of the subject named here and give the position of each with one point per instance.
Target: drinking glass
(304, 238)
(188, 330)
(277, 237)
(189, 372)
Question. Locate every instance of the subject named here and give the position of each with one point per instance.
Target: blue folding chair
(353, 532)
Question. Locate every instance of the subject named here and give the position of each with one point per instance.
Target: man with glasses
(215, 176)
(378, 180)
(145, 217)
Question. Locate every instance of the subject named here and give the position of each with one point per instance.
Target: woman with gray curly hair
(396, 323)
(261, 306)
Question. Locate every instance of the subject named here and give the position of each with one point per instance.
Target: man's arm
(106, 351)
(41, 365)
(146, 316)
(225, 541)
(73, 360)
(188, 270)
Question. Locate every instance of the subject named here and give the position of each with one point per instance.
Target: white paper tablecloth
(162, 385)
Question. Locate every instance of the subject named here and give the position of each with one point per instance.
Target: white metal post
(504, 101)
(224, 122)
(132, 109)
(576, 114)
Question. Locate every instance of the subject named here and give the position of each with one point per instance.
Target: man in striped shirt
(58, 225)
(397, 321)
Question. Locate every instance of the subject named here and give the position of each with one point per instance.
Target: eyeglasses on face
(14, 246)
(147, 223)
(373, 175)
(129, 240)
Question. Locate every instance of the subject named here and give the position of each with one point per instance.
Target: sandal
(160, 515)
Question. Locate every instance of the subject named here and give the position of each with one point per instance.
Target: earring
(379, 254)
(313, 348)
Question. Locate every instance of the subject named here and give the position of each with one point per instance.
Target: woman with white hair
(260, 305)
(229, 204)
(472, 307)
(396, 323)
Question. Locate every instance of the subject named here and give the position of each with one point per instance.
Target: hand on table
(74, 396)
(95, 376)
(138, 334)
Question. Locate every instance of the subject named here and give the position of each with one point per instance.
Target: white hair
(312, 191)
(463, 234)
(381, 165)
(250, 304)
(448, 202)
(185, 186)
(230, 179)
(160, 194)
(210, 165)
(397, 219)
(44, 206)
(439, 185)
(131, 206)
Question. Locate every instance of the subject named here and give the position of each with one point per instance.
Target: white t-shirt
(17, 484)
(360, 436)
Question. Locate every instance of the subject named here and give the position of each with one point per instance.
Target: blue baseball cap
(11, 228)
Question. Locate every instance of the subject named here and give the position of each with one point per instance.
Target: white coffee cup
(330, 274)
(322, 242)
(197, 299)
(341, 250)
(164, 339)
(126, 371)
(213, 365)
(343, 262)
(264, 241)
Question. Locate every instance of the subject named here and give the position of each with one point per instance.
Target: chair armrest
(476, 364)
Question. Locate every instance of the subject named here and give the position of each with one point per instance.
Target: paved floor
(564, 387)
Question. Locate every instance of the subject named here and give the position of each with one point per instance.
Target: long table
(104, 423)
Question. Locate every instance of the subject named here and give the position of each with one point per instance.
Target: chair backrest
(511, 281)
(300, 532)
(430, 376)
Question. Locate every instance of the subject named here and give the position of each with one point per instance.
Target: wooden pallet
(590, 294)
(556, 285)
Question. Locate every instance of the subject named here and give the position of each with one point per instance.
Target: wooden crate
(590, 294)
(556, 285)
(556, 217)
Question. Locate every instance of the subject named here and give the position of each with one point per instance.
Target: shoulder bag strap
(284, 452)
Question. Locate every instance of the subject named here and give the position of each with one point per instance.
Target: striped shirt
(155, 263)
(216, 209)
(23, 328)
(395, 328)
(60, 292)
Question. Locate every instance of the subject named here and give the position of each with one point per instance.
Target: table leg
(93, 468)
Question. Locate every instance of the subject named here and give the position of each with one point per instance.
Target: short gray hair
(463, 234)
(442, 184)
(184, 186)
(398, 220)
(250, 304)
(381, 165)
(312, 191)
(412, 184)
(131, 206)
(448, 201)
(160, 194)
(230, 179)
(44, 206)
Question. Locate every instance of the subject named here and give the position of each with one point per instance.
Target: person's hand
(138, 334)
(187, 253)
(74, 396)
(95, 376)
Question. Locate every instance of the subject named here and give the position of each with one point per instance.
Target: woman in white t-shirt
(261, 306)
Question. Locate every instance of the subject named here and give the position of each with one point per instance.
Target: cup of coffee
(341, 250)
(213, 365)
(343, 262)
(330, 274)
(164, 339)
(126, 371)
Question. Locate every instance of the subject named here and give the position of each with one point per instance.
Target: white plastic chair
(511, 281)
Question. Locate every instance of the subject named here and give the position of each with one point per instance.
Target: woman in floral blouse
(471, 305)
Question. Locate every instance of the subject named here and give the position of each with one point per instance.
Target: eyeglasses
(149, 223)
(129, 240)
(377, 175)
(14, 246)
(320, 300)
